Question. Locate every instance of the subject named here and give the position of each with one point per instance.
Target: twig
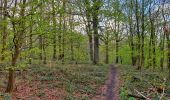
(163, 92)
(142, 95)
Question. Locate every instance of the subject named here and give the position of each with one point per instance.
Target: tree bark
(162, 47)
(64, 30)
(95, 31)
(142, 60)
(138, 35)
(44, 51)
(59, 38)
(149, 52)
(4, 35)
(96, 39)
(30, 40)
(72, 50)
(153, 41)
(41, 47)
(11, 77)
(168, 45)
(131, 34)
(55, 33)
(107, 52)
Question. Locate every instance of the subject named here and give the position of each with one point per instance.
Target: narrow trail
(110, 90)
(111, 84)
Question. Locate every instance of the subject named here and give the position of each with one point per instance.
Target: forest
(84, 50)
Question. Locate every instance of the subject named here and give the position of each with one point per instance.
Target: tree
(95, 14)
(17, 41)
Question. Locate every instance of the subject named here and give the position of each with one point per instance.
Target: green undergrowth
(147, 82)
(80, 81)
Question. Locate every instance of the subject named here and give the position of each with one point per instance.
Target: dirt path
(110, 91)
(111, 85)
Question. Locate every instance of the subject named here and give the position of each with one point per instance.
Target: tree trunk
(117, 50)
(168, 53)
(91, 46)
(131, 35)
(88, 28)
(18, 41)
(54, 26)
(138, 35)
(59, 39)
(4, 35)
(30, 58)
(132, 46)
(11, 77)
(154, 51)
(149, 52)
(63, 32)
(96, 40)
(117, 41)
(72, 50)
(153, 41)
(41, 47)
(54, 48)
(44, 51)
(162, 47)
(142, 60)
(107, 52)
(96, 35)
(30, 40)
(168, 40)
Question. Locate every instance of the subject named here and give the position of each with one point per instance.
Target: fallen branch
(142, 95)
(136, 96)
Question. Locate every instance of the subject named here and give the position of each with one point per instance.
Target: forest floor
(61, 82)
(144, 83)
